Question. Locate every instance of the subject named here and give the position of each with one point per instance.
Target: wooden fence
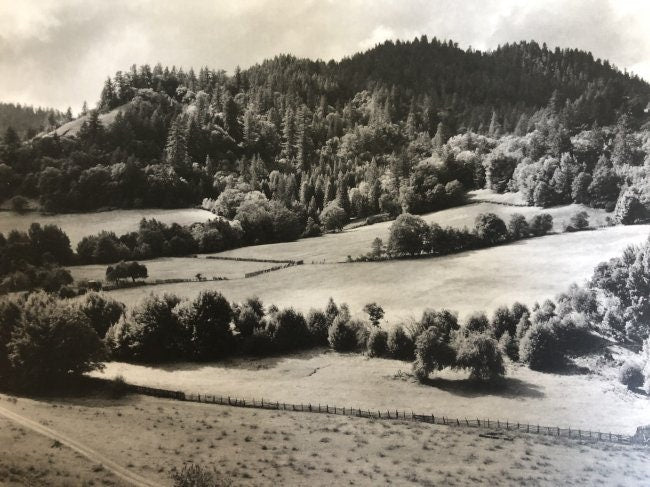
(251, 259)
(392, 414)
(271, 269)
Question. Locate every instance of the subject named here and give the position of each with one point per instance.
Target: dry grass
(527, 271)
(254, 447)
(588, 401)
(179, 268)
(79, 225)
(28, 458)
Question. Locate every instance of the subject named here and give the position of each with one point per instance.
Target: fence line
(156, 282)
(392, 414)
(251, 259)
(271, 269)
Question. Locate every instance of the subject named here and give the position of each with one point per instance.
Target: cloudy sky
(58, 52)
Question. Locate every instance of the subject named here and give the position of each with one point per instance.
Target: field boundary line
(114, 467)
(391, 414)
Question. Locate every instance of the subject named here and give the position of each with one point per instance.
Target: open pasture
(79, 225)
(527, 271)
(356, 242)
(179, 268)
(585, 401)
(259, 447)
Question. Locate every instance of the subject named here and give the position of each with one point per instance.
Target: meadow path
(122, 472)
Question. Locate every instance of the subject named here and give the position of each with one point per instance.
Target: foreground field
(587, 401)
(79, 225)
(527, 271)
(256, 447)
(179, 268)
(28, 458)
(336, 247)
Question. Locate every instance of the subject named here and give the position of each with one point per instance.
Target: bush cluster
(411, 236)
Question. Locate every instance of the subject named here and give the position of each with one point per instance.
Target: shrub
(333, 217)
(518, 227)
(490, 228)
(375, 313)
(52, 341)
(408, 234)
(196, 476)
(102, 311)
(479, 352)
(631, 375)
(476, 323)
(540, 347)
(444, 322)
(152, 332)
(400, 344)
(377, 343)
(18, 204)
(289, 330)
(249, 316)
(503, 322)
(541, 224)
(312, 229)
(341, 336)
(432, 352)
(318, 326)
(260, 343)
(206, 323)
(580, 220)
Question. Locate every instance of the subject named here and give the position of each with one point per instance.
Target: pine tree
(176, 146)
(289, 134)
(342, 197)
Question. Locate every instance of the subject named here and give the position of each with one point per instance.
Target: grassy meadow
(79, 225)
(527, 271)
(179, 268)
(355, 242)
(259, 447)
(587, 401)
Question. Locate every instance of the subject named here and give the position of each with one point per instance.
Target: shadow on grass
(508, 387)
(248, 362)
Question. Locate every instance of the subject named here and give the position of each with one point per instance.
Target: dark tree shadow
(508, 387)
(245, 362)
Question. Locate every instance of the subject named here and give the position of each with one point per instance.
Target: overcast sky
(58, 52)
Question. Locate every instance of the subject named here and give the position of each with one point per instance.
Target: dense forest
(28, 121)
(403, 127)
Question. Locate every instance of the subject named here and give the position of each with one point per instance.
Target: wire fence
(394, 414)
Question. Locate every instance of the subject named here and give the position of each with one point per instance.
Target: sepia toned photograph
(324, 243)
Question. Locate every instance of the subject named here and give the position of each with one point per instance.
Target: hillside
(27, 120)
(405, 126)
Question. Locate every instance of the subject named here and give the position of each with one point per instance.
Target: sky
(57, 53)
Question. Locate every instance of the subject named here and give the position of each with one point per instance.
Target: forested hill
(405, 126)
(27, 121)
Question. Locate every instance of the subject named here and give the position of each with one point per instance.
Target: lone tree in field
(518, 226)
(375, 313)
(408, 235)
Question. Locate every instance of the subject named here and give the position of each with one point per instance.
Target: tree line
(379, 132)
(44, 339)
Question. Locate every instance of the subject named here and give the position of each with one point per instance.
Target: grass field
(527, 271)
(179, 268)
(29, 459)
(594, 401)
(356, 242)
(79, 225)
(257, 447)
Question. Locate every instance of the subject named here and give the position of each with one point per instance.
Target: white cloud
(58, 52)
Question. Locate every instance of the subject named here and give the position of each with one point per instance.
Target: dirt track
(89, 453)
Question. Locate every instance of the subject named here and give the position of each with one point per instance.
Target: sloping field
(179, 268)
(79, 225)
(589, 402)
(356, 242)
(269, 448)
(73, 127)
(526, 271)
